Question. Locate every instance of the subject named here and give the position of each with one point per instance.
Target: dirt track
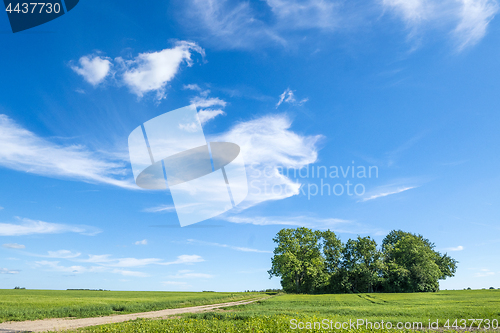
(58, 324)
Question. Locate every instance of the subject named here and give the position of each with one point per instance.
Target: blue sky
(409, 88)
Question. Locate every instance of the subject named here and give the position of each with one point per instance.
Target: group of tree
(312, 261)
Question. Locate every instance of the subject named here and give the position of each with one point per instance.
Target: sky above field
(390, 110)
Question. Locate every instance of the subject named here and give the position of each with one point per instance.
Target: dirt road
(59, 324)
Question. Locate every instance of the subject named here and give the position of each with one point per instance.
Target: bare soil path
(59, 324)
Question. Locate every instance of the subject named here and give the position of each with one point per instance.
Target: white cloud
(334, 224)
(385, 193)
(93, 68)
(185, 259)
(133, 262)
(194, 87)
(54, 265)
(239, 24)
(77, 269)
(306, 14)
(23, 150)
(174, 283)
(229, 24)
(268, 145)
(161, 208)
(8, 271)
(288, 97)
(484, 273)
(470, 17)
(237, 248)
(153, 71)
(204, 102)
(209, 114)
(30, 227)
(1, 207)
(108, 261)
(475, 16)
(165, 208)
(130, 273)
(13, 246)
(142, 242)
(458, 248)
(299, 221)
(187, 274)
(63, 254)
(106, 264)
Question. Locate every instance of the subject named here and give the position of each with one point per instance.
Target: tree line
(312, 261)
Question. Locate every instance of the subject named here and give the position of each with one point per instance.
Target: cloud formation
(470, 18)
(268, 145)
(142, 242)
(8, 271)
(457, 248)
(147, 72)
(386, 192)
(288, 97)
(187, 274)
(14, 246)
(153, 71)
(237, 248)
(93, 68)
(106, 264)
(239, 24)
(23, 150)
(31, 227)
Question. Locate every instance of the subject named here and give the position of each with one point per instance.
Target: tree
(309, 261)
(412, 265)
(361, 263)
(332, 251)
(298, 260)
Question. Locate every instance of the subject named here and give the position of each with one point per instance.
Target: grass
(17, 305)
(274, 314)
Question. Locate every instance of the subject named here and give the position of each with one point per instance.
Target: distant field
(16, 305)
(274, 314)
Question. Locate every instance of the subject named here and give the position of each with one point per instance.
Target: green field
(274, 314)
(16, 305)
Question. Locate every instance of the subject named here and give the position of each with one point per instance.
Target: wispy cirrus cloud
(188, 274)
(337, 225)
(8, 271)
(31, 227)
(107, 264)
(185, 259)
(484, 273)
(228, 24)
(241, 24)
(237, 248)
(308, 14)
(470, 18)
(14, 246)
(385, 192)
(108, 260)
(23, 150)
(288, 97)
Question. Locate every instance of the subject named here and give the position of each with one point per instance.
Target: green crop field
(275, 314)
(22, 304)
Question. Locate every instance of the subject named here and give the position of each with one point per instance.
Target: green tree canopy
(309, 261)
